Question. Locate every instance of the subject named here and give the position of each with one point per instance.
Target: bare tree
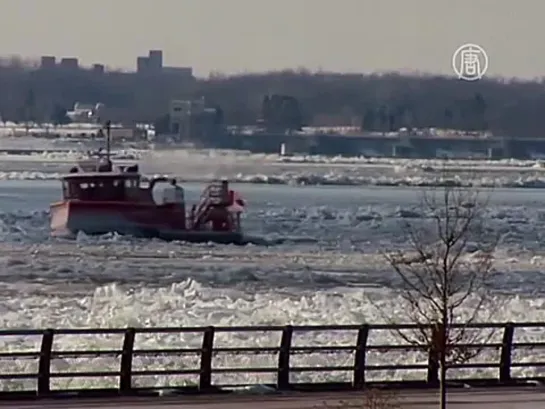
(444, 274)
(370, 399)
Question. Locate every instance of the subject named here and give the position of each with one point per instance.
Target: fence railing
(46, 370)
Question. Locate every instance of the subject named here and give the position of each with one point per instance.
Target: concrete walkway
(493, 398)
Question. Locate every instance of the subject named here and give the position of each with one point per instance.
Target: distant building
(98, 68)
(48, 62)
(181, 71)
(69, 63)
(155, 61)
(86, 113)
(153, 64)
(142, 64)
(180, 113)
(192, 119)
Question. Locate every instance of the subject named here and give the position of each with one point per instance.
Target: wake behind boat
(98, 199)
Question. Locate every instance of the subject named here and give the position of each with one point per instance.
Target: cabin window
(91, 190)
(131, 183)
(102, 189)
(72, 189)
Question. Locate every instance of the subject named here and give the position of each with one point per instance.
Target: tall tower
(142, 65)
(155, 61)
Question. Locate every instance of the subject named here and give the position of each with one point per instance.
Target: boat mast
(108, 138)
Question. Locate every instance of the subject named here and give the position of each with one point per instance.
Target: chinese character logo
(470, 62)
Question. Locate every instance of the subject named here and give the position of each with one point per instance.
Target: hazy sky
(255, 35)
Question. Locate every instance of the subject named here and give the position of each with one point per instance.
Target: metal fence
(500, 344)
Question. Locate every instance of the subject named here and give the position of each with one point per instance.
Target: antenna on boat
(108, 140)
(100, 164)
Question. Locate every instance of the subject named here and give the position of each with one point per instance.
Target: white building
(86, 113)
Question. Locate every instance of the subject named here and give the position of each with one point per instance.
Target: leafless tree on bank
(445, 270)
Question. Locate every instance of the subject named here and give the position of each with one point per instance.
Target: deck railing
(362, 362)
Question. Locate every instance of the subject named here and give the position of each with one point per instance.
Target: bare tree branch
(445, 270)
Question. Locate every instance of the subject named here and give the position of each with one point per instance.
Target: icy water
(325, 273)
(333, 235)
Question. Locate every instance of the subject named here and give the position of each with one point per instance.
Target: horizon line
(15, 60)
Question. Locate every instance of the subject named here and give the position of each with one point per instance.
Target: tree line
(382, 102)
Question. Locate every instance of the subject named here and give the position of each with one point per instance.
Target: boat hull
(165, 222)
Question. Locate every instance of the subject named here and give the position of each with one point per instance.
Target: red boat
(98, 199)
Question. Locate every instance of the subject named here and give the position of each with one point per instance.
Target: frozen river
(326, 272)
(333, 236)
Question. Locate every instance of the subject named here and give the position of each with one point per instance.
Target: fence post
(125, 377)
(506, 353)
(44, 364)
(205, 377)
(359, 357)
(283, 377)
(433, 356)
